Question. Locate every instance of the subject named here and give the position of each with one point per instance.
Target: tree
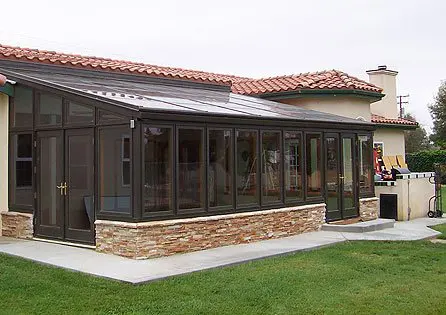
(416, 140)
(438, 113)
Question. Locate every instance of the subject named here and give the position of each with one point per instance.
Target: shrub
(424, 161)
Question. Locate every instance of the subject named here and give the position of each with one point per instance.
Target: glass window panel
(107, 116)
(23, 107)
(293, 166)
(348, 186)
(313, 146)
(158, 157)
(191, 169)
(50, 110)
(220, 167)
(114, 171)
(271, 174)
(366, 164)
(77, 114)
(126, 160)
(332, 172)
(22, 190)
(247, 183)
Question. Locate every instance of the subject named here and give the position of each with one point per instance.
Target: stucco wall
(352, 107)
(3, 153)
(386, 107)
(413, 193)
(393, 140)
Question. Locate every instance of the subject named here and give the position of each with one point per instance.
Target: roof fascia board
(120, 107)
(396, 126)
(373, 96)
(270, 121)
(94, 73)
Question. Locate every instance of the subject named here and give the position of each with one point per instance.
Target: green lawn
(440, 228)
(353, 277)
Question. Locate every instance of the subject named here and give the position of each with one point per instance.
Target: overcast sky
(256, 38)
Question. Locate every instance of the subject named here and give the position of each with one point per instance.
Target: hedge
(423, 161)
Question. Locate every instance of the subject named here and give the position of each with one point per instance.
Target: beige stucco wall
(3, 153)
(352, 107)
(393, 140)
(386, 80)
(413, 193)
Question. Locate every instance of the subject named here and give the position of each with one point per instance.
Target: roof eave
(396, 126)
(372, 96)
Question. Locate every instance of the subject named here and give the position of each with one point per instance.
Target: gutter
(376, 96)
(6, 86)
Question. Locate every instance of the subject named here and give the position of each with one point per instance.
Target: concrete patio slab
(140, 271)
(360, 227)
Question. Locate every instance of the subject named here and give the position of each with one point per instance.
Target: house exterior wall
(352, 107)
(4, 107)
(393, 140)
(164, 238)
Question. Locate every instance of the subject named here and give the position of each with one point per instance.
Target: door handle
(341, 177)
(61, 187)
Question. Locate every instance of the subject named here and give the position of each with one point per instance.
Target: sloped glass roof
(148, 96)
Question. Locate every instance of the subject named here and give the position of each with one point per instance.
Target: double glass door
(340, 188)
(65, 185)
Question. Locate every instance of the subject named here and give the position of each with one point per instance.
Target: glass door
(50, 185)
(349, 195)
(79, 175)
(65, 185)
(340, 188)
(332, 177)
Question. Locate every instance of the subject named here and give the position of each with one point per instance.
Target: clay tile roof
(330, 80)
(2, 80)
(392, 121)
(86, 62)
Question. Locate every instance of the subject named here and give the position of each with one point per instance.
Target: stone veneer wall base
(368, 208)
(17, 224)
(163, 238)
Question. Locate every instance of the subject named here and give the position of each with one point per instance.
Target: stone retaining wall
(17, 224)
(164, 238)
(368, 208)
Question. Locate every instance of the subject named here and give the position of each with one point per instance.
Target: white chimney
(385, 79)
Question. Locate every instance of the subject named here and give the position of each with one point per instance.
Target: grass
(352, 277)
(440, 228)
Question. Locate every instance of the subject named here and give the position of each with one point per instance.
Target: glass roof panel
(191, 99)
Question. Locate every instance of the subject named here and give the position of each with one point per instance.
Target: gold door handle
(61, 187)
(341, 177)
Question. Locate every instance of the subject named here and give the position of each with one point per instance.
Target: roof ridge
(17, 50)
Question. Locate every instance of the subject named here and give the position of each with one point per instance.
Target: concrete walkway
(139, 271)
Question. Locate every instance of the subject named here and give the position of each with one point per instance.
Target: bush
(424, 161)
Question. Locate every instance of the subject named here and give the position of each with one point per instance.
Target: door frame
(64, 233)
(341, 174)
(52, 232)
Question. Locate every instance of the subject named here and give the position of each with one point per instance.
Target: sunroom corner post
(4, 117)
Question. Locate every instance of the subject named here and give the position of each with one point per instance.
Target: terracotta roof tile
(332, 79)
(393, 121)
(51, 57)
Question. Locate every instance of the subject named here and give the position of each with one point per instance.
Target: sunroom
(144, 168)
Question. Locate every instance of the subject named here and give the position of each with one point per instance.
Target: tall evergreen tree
(417, 139)
(438, 113)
